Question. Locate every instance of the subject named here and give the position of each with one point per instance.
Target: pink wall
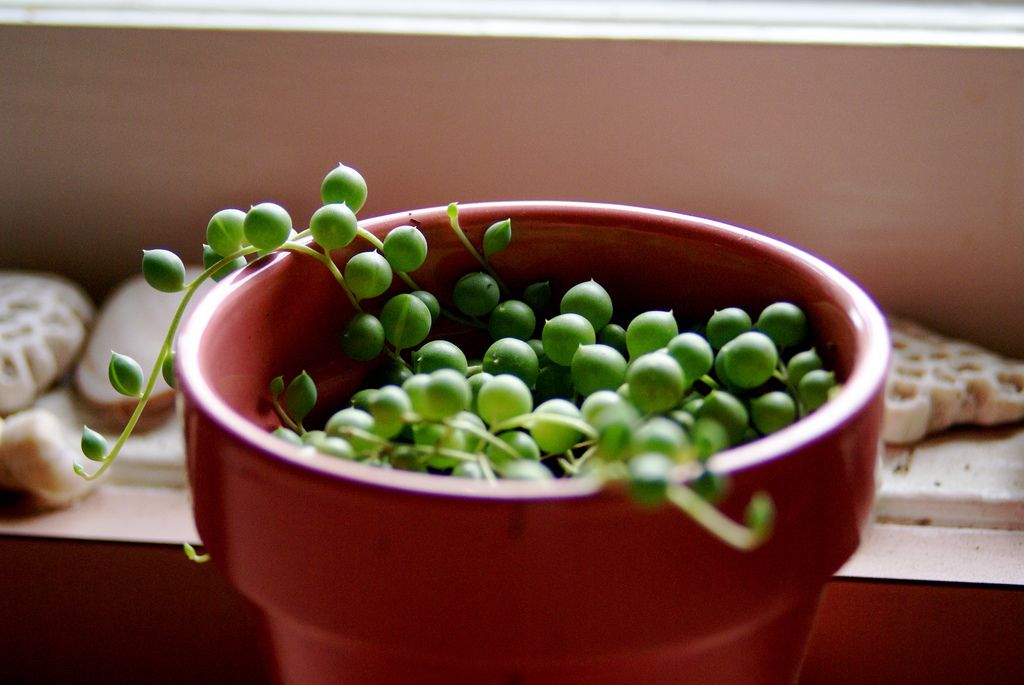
(903, 166)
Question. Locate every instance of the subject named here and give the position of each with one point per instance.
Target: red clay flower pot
(364, 575)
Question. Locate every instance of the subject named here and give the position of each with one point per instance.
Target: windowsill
(898, 552)
(949, 509)
(113, 513)
(889, 551)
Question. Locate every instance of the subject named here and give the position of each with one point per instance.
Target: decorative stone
(133, 320)
(35, 459)
(44, 321)
(937, 382)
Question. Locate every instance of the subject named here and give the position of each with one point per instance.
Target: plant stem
(396, 354)
(568, 463)
(453, 217)
(585, 457)
(353, 432)
(379, 244)
(527, 420)
(370, 238)
(331, 266)
(408, 280)
(165, 350)
(191, 553)
(711, 519)
(287, 420)
(458, 318)
(707, 380)
(484, 435)
(487, 468)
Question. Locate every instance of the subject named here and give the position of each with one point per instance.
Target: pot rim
(867, 376)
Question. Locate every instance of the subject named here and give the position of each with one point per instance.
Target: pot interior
(286, 314)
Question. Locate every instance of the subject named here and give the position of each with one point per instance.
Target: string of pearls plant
(640, 402)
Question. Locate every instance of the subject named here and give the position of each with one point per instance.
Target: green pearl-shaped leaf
(288, 435)
(94, 445)
(300, 396)
(125, 375)
(344, 184)
(210, 258)
(368, 274)
(267, 226)
(538, 295)
(167, 370)
(406, 321)
(497, 237)
(363, 338)
(277, 386)
(711, 487)
(649, 476)
(226, 231)
(430, 300)
(760, 513)
(333, 226)
(405, 248)
(163, 270)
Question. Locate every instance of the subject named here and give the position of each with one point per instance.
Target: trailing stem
(165, 351)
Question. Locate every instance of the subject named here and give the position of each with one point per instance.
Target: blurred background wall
(903, 166)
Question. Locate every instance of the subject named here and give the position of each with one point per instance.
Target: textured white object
(970, 478)
(44, 321)
(35, 459)
(39, 445)
(937, 382)
(133, 321)
(154, 455)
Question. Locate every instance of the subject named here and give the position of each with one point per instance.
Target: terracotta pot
(364, 575)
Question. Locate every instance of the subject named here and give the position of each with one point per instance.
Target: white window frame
(953, 23)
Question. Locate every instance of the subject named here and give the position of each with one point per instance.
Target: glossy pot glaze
(364, 575)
